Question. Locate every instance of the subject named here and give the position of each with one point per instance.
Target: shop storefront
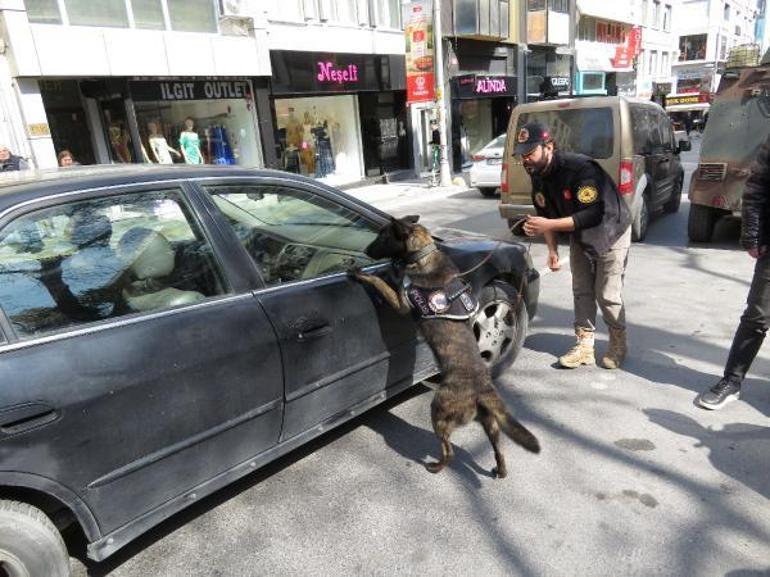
(481, 107)
(163, 121)
(548, 74)
(599, 73)
(339, 117)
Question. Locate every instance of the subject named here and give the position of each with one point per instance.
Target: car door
(138, 370)
(669, 164)
(341, 344)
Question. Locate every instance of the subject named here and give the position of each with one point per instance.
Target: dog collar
(414, 257)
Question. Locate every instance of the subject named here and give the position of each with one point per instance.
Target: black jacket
(755, 229)
(13, 163)
(575, 185)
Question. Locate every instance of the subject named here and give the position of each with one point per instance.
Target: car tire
(701, 222)
(642, 221)
(30, 544)
(500, 325)
(672, 205)
(519, 230)
(487, 192)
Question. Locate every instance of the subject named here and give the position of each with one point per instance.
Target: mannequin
(308, 150)
(190, 143)
(158, 146)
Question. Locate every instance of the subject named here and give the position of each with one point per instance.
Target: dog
(433, 290)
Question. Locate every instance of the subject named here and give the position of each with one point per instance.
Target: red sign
(420, 87)
(420, 79)
(634, 40)
(626, 52)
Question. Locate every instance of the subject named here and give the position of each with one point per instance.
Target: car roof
(584, 102)
(22, 186)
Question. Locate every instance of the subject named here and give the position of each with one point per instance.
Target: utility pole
(438, 42)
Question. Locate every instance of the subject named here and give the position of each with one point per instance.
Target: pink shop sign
(491, 86)
(330, 73)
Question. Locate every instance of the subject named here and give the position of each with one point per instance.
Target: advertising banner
(420, 79)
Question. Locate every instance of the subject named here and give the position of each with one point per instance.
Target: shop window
(43, 11)
(148, 14)
(103, 13)
(101, 259)
(192, 15)
(319, 136)
(293, 234)
(688, 85)
(692, 47)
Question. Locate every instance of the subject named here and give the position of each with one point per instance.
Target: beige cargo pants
(602, 286)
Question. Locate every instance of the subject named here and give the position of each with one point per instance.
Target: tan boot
(582, 353)
(616, 352)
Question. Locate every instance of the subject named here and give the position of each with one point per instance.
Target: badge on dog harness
(438, 302)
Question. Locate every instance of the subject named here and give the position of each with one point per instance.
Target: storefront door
(383, 129)
(67, 119)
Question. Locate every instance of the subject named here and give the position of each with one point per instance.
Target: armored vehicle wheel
(700, 224)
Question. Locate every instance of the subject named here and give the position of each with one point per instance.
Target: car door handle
(25, 417)
(314, 332)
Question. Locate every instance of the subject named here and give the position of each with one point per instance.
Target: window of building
(656, 13)
(288, 10)
(389, 15)
(726, 15)
(653, 69)
(559, 6)
(535, 5)
(43, 11)
(148, 14)
(345, 11)
(104, 13)
(645, 10)
(722, 48)
(667, 18)
(192, 15)
(587, 29)
(104, 258)
(692, 47)
(664, 71)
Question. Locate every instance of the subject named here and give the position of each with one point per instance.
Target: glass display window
(320, 137)
(199, 132)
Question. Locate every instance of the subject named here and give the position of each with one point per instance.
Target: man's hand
(536, 225)
(756, 251)
(553, 261)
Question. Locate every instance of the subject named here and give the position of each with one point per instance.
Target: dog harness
(454, 301)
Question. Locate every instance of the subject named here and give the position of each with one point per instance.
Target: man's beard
(537, 168)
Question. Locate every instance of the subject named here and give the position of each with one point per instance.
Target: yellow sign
(587, 194)
(39, 129)
(673, 100)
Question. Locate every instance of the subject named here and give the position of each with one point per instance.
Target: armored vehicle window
(99, 259)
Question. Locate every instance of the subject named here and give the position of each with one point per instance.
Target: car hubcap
(494, 328)
(11, 566)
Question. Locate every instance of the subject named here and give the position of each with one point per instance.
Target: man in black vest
(572, 193)
(10, 162)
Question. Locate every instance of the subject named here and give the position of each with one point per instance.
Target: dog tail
(518, 433)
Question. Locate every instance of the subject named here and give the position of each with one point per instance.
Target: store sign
(420, 79)
(626, 52)
(475, 86)
(329, 72)
(688, 99)
(38, 129)
(142, 90)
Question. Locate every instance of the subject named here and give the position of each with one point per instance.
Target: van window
(585, 130)
(650, 129)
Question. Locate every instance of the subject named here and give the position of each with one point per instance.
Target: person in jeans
(572, 193)
(755, 236)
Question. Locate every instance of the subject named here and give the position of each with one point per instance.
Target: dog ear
(411, 219)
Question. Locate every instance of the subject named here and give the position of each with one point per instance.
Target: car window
(294, 234)
(664, 125)
(103, 258)
(585, 130)
(645, 125)
(498, 142)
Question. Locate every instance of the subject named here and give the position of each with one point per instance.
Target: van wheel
(516, 222)
(500, 325)
(672, 205)
(642, 221)
(487, 192)
(700, 224)
(30, 544)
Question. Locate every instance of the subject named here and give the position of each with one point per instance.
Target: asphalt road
(633, 478)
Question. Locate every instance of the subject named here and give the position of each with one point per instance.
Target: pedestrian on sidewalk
(755, 236)
(573, 194)
(10, 162)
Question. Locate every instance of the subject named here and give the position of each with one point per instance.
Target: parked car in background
(680, 132)
(739, 122)
(487, 163)
(165, 331)
(632, 140)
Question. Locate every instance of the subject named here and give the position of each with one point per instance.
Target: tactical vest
(455, 301)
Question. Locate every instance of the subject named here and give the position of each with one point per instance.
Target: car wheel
(519, 228)
(487, 192)
(500, 325)
(30, 544)
(672, 205)
(700, 224)
(642, 221)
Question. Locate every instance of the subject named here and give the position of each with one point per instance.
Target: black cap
(529, 136)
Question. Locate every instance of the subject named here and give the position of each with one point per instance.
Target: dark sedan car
(165, 331)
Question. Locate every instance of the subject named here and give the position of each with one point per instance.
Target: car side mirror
(684, 146)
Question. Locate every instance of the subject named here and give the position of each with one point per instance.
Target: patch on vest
(540, 199)
(587, 194)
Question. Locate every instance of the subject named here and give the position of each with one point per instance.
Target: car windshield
(585, 130)
(736, 129)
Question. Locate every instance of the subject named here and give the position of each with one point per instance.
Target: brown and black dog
(466, 391)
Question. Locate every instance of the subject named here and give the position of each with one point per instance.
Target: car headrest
(87, 228)
(149, 253)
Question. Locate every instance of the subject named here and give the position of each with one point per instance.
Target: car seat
(151, 259)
